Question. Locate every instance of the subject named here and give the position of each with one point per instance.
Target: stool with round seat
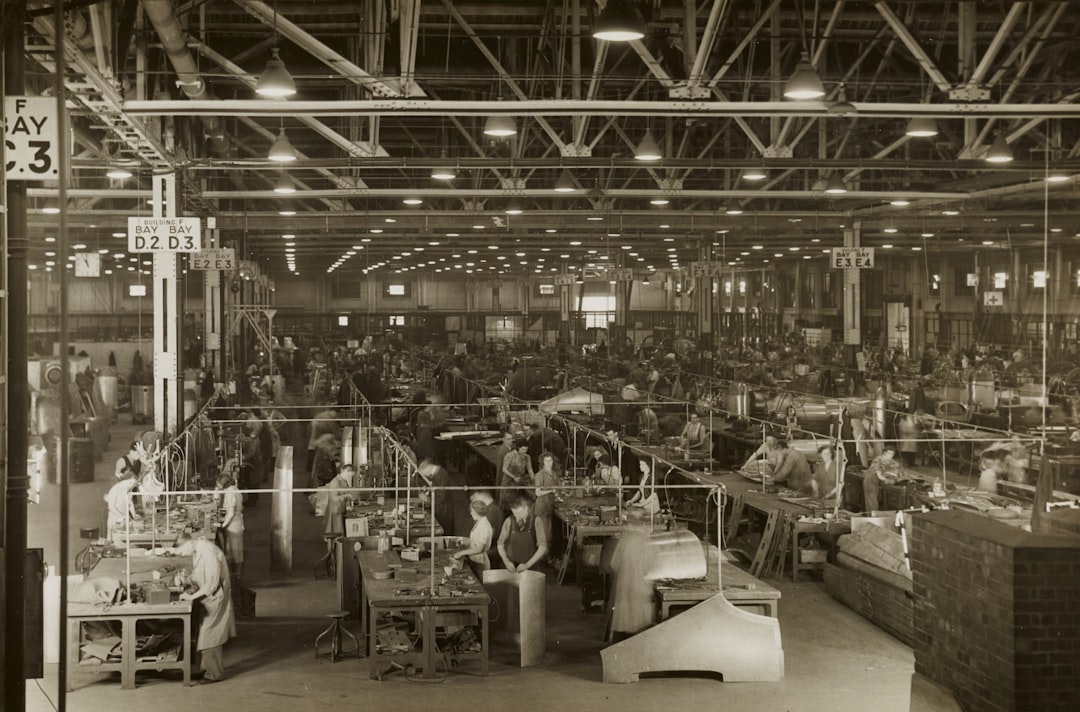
(86, 559)
(337, 632)
(329, 559)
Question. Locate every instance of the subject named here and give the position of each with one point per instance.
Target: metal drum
(142, 404)
(80, 459)
(738, 400)
(47, 415)
(108, 388)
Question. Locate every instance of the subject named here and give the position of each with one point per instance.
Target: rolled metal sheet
(281, 514)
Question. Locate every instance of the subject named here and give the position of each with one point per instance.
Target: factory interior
(467, 353)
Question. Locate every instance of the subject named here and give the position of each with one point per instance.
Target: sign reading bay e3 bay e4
(164, 235)
(853, 257)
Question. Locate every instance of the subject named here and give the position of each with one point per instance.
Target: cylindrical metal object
(142, 403)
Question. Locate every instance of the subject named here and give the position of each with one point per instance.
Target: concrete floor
(835, 660)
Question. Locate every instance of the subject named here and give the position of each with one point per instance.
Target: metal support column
(15, 481)
(703, 305)
(564, 308)
(167, 402)
(212, 306)
(852, 299)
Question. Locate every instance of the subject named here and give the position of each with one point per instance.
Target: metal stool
(329, 559)
(87, 559)
(336, 631)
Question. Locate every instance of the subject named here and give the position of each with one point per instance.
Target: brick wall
(997, 612)
(1062, 521)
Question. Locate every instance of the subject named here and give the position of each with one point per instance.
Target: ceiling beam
(904, 34)
(323, 52)
(569, 107)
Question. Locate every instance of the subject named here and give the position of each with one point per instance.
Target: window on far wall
(396, 320)
(545, 290)
(1036, 279)
(397, 289)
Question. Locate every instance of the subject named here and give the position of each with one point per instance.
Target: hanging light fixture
(842, 107)
(284, 185)
(755, 174)
(804, 82)
(412, 200)
(117, 172)
(282, 150)
(921, 127)
(443, 172)
(565, 184)
(1057, 176)
(648, 149)
(835, 185)
(734, 209)
(514, 207)
(275, 81)
(500, 126)
(619, 21)
(999, 151)
(51, 208)
(659, 200)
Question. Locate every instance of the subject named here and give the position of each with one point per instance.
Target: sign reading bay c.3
(164, 235)
(30, 138)
(853, 257)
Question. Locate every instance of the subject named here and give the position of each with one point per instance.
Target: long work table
(409, 591)
(120, 653)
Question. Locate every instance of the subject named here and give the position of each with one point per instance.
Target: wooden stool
(329, 559)
(336, 631)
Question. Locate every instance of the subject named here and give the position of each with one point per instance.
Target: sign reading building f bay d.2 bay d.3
(853, 257)
(164, 235)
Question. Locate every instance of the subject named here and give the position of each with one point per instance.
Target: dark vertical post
(14, 687)
(63, 151)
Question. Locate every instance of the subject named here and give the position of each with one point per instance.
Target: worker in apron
(213, 591)
(524, 540)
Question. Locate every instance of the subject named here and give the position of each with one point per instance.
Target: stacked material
(870, 576)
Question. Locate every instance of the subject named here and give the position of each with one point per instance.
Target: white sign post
(164, 235)
(853, 257)
(31, 135)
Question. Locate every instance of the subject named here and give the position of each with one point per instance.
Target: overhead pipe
(162, 15)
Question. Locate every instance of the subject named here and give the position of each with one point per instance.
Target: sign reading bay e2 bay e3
(164, 235)
(853, 257)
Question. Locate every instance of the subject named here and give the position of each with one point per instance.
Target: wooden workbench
(128, 616)
(422, 599)
(738, 587)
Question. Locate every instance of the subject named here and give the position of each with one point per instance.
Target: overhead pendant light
(566, 183)
(842, 107)
(284, 185)
(500, 126)
(1057, 177)
(921, 127)
(619, 21)
(51, 208)
(733, 210)
(659, 200)
(275, 81)
(648, 149)
(117, 172)
(999, 151)
(443, 172)
(804, 82)
(282, 150)
(835, 185)
(286, 211)
(755, 174)
(412, 201)
(514, 207)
